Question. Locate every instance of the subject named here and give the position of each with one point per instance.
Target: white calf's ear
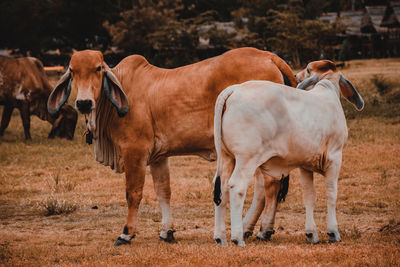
(350, 93)
(312, 80)
(114, 92)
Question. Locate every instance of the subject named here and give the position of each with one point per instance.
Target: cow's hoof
(120, 241)
(220, 241)
(265, 236)
(334, 237)
(170, 237)
(311, 238)
(123, 240)
(239, 243)
(247, 234)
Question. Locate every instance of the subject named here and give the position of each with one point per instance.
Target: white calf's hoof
(239, 243)
(334, 237)
(312, 238)
(221, 242)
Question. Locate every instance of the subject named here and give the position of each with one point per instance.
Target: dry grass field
(49, 176)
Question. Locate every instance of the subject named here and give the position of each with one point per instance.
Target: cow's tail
(283, 189)
(287, 73)
(219, 110)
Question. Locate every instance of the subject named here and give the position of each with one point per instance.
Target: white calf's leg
(160, 173)
(238, 184)
(257, 205)
(309, 198)
(227, 165)
(271, 188)
(331, 180)
(219, 219)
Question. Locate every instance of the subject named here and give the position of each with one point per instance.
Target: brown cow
(158, 113)
(24, 85)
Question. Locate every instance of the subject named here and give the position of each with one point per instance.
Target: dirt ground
(38, 173)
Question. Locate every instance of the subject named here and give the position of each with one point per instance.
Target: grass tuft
(56, 185)
(56, 206)
(391, 228)
(381, 83)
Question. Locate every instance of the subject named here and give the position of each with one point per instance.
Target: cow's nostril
(84, 106)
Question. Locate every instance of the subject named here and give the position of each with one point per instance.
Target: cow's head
(89, 74)
(37, 103)
(64, 124)
(326, 69)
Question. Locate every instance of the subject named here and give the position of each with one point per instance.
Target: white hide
(276, 129)
(19, 95)
(280, 128)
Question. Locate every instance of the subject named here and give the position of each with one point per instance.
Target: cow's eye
(98, 68)
(308, 71)
(71, 70)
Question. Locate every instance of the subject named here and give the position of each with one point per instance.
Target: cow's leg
(257, 205)
(135, 170)
(5, 119)
(238, 183)
(309, 198)
(227, 165)
(271, 187)
(26, 118)
(54, 127)
(160, 173)
(331, 180)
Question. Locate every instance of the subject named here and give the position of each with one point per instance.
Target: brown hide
(177, 106)
(24, 85)
(171, 111)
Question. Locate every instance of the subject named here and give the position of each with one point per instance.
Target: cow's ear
(113, 89)
(350, 93)
(312, 80)
(60, 94)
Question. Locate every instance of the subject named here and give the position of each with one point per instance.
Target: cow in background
(24, 85)
(140, 114)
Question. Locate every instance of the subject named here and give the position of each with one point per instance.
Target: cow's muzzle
(84, 106)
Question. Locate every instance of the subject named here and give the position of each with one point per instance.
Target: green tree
(299, 39)
(152, 29)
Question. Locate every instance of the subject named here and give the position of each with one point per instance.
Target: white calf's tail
(219, 109)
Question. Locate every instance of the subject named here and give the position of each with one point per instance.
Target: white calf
(272, 128)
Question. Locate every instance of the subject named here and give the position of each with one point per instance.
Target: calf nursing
(158, 113)
(273, 129)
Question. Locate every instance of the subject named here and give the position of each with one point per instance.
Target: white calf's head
(326, 69)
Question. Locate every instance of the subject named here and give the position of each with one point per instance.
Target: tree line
(167, 32)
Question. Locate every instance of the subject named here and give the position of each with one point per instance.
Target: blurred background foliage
(170, 33)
